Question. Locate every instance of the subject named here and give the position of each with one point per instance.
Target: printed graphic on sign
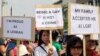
(83, 19)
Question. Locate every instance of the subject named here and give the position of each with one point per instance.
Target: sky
(23, 7)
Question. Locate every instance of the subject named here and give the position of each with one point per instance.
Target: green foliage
(66, 22)
(65, 16)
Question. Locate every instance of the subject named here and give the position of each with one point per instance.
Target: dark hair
(96, 41)
(26, 55)
(40, 36)
(54, 35)
(72, 42)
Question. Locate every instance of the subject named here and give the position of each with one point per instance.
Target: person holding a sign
(74, 47)
(2, 47)
(44, 48)
(56, 44)
(11, 48)
(91, 46)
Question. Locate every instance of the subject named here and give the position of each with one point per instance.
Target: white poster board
(83, 19)
(0, 12)
(18, 27)
(95, 36)
(49, 17)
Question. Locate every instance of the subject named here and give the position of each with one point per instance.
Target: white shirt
(40, 52)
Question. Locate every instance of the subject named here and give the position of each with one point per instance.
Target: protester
(56, 44)
(2, 47)
(91, 46)
(11, 48)
(23, 51)
(74, 46)
(30, 47)
(44, 48)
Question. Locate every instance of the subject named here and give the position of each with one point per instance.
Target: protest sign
(49, 17)
(83, 19)
(18, 27)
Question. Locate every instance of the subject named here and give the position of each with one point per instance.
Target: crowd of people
(73, 46)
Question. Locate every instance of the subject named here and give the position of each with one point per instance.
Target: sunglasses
(78, 47)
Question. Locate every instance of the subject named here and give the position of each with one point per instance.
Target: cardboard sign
(83, 19)
(49, 17)
(18, 27)
(95, 36)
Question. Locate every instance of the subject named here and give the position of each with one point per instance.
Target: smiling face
(90, 44)
(45, 37)
(76, 50)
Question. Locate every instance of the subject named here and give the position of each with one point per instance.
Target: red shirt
(94, 53)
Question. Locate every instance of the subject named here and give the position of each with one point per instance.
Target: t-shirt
(57, 46)
(94, 53)
(41, 52)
